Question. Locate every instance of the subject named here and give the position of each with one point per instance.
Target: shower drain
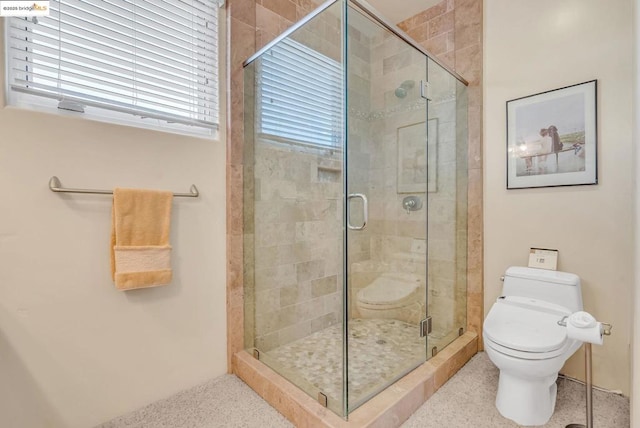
(381, 341)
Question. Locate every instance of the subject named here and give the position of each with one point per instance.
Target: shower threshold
(380, 352)
(389, 407)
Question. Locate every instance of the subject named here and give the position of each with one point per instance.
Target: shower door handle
(365, 211)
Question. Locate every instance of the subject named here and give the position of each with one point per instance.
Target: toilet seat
(389, 290)
(524, 355)
(526, 328)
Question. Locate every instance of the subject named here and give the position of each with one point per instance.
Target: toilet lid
(389, 289)
(526, 324)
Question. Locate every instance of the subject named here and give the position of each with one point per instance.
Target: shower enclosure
(355, 205)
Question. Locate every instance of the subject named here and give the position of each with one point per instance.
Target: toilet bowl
(390, 296)
(523, 339)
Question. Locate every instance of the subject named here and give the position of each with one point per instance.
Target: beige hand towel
(140, 250)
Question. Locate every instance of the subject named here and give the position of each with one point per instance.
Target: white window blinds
(300, 95)
(150, 58)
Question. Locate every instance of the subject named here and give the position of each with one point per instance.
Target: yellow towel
(140, 250)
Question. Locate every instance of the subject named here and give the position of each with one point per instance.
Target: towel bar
(56, 186)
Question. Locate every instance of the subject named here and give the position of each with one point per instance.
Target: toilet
(523, 339)
(390, 296)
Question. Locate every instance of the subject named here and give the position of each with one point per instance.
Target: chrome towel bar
(56, 186)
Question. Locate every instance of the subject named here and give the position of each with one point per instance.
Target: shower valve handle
(411, 203)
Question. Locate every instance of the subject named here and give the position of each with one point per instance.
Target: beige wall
(537, 46)
(74, 351)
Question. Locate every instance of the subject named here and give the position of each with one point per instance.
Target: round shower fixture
(404, 87)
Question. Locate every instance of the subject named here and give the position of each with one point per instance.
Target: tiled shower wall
(297, 209)
(434, 29)
(359, 136)
(452, 31)
(398, 238)
(388, 62)
(250, 25)
(296, 287)
(298, 242)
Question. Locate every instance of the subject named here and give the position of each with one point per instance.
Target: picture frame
(552, 138)
(417, 170)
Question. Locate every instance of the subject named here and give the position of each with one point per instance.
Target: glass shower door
(447, 207)
(387, 179)
(293, 207)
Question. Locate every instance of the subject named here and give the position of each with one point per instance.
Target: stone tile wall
(293, 212)
(434, 29)
(297, 243)
(468, 63)
(398, 239)
(452, 31)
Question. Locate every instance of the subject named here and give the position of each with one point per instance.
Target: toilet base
(526, 401)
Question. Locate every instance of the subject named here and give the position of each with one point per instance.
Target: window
(154, 59)
(300, 95)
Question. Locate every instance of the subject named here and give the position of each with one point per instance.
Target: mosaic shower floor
(380, 351)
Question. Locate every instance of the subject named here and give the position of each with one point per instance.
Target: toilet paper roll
(582, 319)
(583, 326)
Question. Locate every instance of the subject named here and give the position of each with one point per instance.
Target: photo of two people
(558, 146)
(552, 138)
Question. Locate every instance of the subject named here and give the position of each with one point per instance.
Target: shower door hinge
(425, 327)
(425, 90)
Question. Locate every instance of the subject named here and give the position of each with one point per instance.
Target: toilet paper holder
(606, 327)
(606, 331)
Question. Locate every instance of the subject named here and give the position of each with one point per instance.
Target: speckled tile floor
(222, 402)
(467, 400)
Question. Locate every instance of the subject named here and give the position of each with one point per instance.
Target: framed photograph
(552, 138)
(417, 163)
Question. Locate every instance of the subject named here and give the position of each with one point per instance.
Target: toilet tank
(561, 288)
